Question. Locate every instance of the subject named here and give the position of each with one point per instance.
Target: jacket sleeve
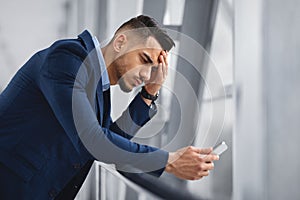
(133, 118)
(66, 94)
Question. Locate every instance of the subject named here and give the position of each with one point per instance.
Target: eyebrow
(148, 58)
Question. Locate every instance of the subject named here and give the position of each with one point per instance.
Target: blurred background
(233, 77)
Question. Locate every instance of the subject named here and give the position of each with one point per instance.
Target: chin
(127, 90)
(124, 87)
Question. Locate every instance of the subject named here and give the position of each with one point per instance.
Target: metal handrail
(160, 188)
(104, 182)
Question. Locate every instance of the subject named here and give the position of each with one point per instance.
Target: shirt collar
(104, 73)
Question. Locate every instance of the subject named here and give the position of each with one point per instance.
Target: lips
(138, 82)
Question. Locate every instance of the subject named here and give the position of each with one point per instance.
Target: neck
(109, 58)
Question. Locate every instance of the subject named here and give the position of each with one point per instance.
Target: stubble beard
(124, 87)
(120, 75)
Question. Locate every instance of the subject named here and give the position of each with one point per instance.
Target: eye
(144, 60)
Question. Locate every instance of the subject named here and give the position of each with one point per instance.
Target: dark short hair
(148, 26)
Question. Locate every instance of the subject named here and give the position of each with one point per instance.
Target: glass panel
(218, 185)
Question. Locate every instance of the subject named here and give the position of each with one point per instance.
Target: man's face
(136, 64)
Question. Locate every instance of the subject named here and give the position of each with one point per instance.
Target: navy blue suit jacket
(40, 147)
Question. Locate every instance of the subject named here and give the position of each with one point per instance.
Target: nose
(145, 73)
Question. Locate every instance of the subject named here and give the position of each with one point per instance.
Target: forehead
(152, 48)
(152, 43)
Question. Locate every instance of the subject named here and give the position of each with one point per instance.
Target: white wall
(25, 27)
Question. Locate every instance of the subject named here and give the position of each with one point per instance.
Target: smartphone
(220, 148)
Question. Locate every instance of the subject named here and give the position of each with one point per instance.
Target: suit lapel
(101, 101)
(86, 37)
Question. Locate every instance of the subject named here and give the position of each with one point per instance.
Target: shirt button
(77, 166)
(52, 193)
(75, 186)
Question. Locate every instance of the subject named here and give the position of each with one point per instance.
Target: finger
(206, 150)
(210, 157)
(203, 173)
(164, 67)
(167, 63)
(195, 149)
(166, 58)
(160, 71)
(205, 167)
(193, 178)
(209, 166)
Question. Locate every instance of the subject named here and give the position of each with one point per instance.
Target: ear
(119, 42)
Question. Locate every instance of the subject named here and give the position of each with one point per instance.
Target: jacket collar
(86, 37)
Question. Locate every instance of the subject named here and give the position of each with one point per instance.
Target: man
(55, 114)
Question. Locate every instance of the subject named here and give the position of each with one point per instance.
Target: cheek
(131, 61)
(132, 68)
(122, 66)
(128, 66)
